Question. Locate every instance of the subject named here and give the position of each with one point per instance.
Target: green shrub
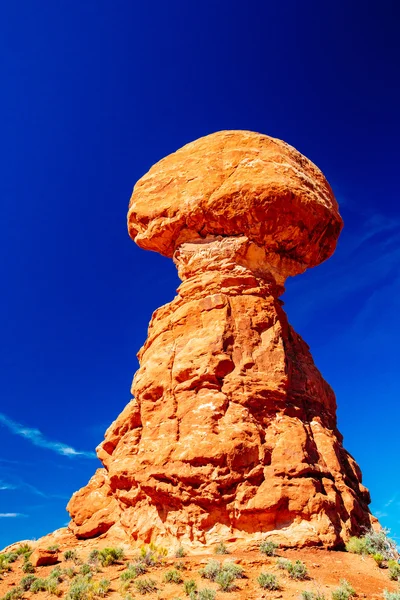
(204, 594)
(268, 548)
(225, 580)
(344, 592)
(51, 586)
(152, 555)
(268, 581)
(190, 587)
(282, 563)
(130, 573)
(102, 588)
(28, 567)
(379, 542)
(83, 588)
(146, 586)
(56, 574)
(39, 585)
(180, 553)
(14, 594)
(312, 596)
(94, 557)
(180, 565)
(211, 570)
(173, 576)
(71, 555)
(374, 542)
(378, 558)
(53, 548)
(236, 570)
(391, 595)
(26, 582)
(23, 550)
(85, 569)
(221, 549)
(110, 556)
(297, 570)
(394, 570)
(70, 572)
(357, 545)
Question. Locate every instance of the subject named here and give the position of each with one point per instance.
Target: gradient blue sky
(93, 93)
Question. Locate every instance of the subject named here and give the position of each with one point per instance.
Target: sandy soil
(325, 569)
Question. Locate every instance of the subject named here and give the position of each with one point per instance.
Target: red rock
(41, 557)
(232, 432)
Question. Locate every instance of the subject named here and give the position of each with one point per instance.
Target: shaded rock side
(232, 433)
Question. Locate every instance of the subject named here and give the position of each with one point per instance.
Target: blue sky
(93, 93)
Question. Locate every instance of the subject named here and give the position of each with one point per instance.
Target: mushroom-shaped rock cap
(235, 183)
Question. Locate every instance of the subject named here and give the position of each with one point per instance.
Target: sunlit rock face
(231, 433)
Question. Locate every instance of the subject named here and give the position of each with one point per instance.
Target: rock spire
(231, 434)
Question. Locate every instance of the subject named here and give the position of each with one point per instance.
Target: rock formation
(231, 434)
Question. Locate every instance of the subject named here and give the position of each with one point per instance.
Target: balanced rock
(231, 434)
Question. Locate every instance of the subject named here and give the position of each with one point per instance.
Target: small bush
(378, 558)
(152, 555)
(344, 592)
(26, 582)
(130, 573)
(236, 570)
(391, 595)
(82, 588)
(53, 548)
(14, 594)
(51, 586)
(180, 565)
(268, 548)
(312, 596)
(94, 557)
(71, 555)
(56, 574)
(225, 580)
(297, 570)
(221, 549)
(211, 570)
(110, 556)
(85, 569)
(180, 553)
(39, 585)
(23, 549)
(190, 586)
(70, 572)
(374, 542)
(173, 576)
(102, 588)
(204, 594)
(394, 570)
(28, 567)
(379, 542)
(146, 586)
(283, 563)
(268, 581)
(357, 546)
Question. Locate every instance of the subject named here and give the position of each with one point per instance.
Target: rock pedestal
(231, 435)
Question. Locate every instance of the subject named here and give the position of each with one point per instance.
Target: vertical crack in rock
(232, 432)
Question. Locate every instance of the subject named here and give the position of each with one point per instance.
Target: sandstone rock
(41, 557)
(232, 433)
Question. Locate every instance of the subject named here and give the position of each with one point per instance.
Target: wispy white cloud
(11, 515)
(37, 439)
(7, 486)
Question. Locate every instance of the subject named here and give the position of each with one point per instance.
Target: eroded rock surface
(231, 433)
